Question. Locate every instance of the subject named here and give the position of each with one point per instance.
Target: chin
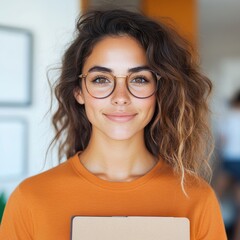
(120, 135)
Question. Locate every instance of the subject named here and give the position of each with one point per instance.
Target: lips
(120, 117)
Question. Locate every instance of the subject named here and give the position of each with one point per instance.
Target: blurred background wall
(51, 24)
(219, 48)
(211, 25)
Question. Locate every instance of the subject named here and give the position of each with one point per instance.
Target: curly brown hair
(179, 130)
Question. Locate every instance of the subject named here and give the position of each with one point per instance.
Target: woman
(132, 122)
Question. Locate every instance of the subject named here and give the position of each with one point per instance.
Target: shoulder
(200, 192)
(47, 180)
(195, 187)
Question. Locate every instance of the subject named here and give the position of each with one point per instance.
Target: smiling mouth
(120, 117)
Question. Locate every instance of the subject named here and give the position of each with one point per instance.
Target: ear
(77, 92)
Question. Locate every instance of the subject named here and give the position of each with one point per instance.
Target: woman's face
(120, 116)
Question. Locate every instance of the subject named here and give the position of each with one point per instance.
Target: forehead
(118, 53)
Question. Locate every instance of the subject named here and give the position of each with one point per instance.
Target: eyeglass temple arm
(82, 75)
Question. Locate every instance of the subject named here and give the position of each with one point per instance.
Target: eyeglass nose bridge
(115, 83)
(125, 82)
(121, 76)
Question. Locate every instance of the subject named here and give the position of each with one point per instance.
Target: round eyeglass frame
(158, 77)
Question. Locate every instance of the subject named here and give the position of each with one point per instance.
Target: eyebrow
(130, 70)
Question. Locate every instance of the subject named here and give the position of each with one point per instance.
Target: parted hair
(179, 131)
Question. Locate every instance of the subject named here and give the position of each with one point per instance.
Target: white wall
(52, 24)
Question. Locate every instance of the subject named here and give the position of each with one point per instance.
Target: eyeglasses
(141, 84)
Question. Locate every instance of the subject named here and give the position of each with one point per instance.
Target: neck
(117, 159)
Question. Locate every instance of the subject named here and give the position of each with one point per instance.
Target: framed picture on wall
(13, 148)
(15, 66)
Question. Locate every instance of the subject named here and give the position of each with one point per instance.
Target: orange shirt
(42, 206)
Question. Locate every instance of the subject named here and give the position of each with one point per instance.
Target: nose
(120, 96)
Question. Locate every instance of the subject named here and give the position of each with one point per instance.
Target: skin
(116, 151)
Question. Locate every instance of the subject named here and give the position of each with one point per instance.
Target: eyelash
(142, 77)
(98, 77)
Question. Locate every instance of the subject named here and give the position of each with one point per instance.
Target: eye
(140, 80)
(100, 80)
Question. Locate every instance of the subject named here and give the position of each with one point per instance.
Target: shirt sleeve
(211, 224)
(17, 221)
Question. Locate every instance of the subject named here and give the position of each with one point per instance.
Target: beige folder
(129, 228)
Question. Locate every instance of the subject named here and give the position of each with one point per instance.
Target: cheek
(151, 111)
(148, 106)
(93, 107)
